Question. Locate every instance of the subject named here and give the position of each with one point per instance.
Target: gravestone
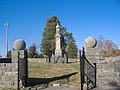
(65, 58)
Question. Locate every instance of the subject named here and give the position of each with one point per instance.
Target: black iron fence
(88, 72)
(5, 60)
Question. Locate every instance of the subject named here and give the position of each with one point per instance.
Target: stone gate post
(19, 56)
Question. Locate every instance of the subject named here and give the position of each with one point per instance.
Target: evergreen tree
(32, 52)
(63, 39)
(72, 49)
(48, 40)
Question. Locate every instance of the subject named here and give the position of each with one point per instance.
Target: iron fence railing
(88, 71)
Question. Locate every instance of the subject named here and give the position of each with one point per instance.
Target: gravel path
(74, 88)
(63, 88)
(56, 88)
(107, 88)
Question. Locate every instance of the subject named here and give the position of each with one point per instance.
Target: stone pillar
(19, 54)
(92, 53)
(14, 56)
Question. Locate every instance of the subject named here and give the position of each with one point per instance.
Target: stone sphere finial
(19, 44)
(90, 42)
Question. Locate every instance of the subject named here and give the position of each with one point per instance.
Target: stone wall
(108, 72)
(108, 69)
(37, 60)
(9, 71)
(44, 60)
(9, 75)
(12, 73)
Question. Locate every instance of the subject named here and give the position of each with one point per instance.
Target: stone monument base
(59, 59)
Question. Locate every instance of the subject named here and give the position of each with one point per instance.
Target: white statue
(57, 28)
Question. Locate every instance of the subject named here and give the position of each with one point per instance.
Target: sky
(83, 18)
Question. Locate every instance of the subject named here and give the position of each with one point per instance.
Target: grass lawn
(48, 74)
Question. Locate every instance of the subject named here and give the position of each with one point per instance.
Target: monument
(58, 51)
(58, 57)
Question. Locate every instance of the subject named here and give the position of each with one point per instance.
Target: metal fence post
(95, 74)
(81, 69)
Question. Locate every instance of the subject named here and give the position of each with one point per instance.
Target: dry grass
(48, 74)
(45, 75)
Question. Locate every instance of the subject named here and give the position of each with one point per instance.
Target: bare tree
(107, 47)
(110, 48)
